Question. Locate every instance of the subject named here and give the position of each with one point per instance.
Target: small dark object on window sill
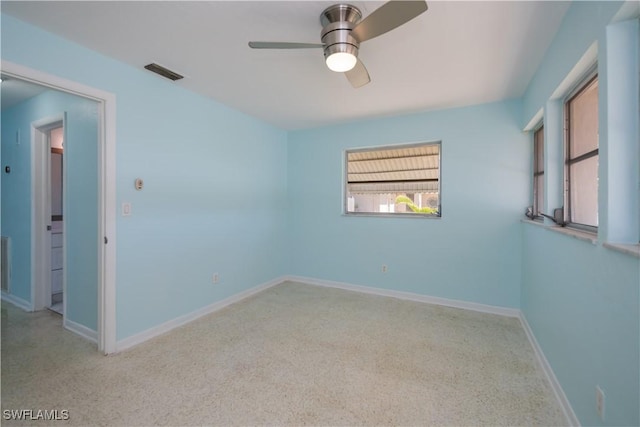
(558, 215)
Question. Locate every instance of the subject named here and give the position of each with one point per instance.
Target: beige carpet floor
(292, 355)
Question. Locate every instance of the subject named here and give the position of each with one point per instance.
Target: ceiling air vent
(164, 72)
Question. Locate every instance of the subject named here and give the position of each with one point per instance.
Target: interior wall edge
(409, 296)
(168, 326)
(83, 331)
(17, 301)
(559, 393)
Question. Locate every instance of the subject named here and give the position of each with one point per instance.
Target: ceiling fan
(343, 31)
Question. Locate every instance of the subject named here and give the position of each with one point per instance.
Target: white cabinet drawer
(56, 281)
(56, 258)
(56, 240)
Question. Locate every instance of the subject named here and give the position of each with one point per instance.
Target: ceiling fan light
(341, 61)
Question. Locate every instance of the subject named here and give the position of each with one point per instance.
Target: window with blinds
(538, 172)
(394, 180)
(581, 159)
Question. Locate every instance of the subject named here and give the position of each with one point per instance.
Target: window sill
(571, 232)
(633, 250)
(391, 215)
(577, 234)
(629, 249)
(534, 222)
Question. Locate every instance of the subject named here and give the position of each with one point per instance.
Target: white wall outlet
(384, 268)
(215, 278)
(600, 402)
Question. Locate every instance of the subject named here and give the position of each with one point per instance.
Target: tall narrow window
(394, 180)
(582, 155)
(538, 172)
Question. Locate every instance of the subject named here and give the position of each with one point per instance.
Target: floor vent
(164, 72)
(5, 263)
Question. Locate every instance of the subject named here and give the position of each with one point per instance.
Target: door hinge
(106, 240)
(48, 228)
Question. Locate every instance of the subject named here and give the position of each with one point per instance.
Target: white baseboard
(81, 330)
(571, 417)
(190, 317)
(17, 301)
(483, 308)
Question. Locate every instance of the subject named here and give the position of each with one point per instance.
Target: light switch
(126, 209)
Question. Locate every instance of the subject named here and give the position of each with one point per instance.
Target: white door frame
(41, 212)
(106, 191)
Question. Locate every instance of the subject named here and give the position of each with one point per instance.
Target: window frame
(538, 172)
(345, 183)
(582, 85)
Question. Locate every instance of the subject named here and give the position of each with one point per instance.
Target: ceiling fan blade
(358, 76)
(387, 17)
(283, 45)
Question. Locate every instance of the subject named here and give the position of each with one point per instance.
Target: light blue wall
(16, 209)
(215, 185)
(582, 299)
(81, 131)
(214, 201)
(472, 253)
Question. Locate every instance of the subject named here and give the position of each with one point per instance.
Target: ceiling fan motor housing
(338, 21)
(337, 38)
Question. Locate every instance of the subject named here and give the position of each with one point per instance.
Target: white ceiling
(455, 54)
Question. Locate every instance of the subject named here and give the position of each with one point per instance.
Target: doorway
(103, 331)
(64, 254)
